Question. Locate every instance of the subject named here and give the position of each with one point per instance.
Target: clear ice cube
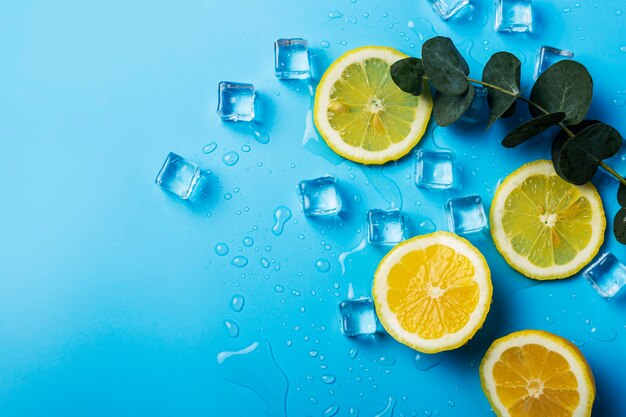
(607, 275)
(448, 8)
(548, 56)
(357, 316)
(178, 176)
(385, 227)
(473, 113)
(466, 214)
(236, 101)
(513, 15)
(434, 169)
(320, 197)
(291, 59)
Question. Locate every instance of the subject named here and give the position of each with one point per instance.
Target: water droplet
(325, 44)
(335, 14)
(245, 148)
(237, 302)
(567, 9)
(388, 411)
(619, 102)
(265, 263)
(619, 12)
(281, 215)
(354, 412)
(603, 333)
(279, 288)
(248, 241)
(622, 48)
(549, 319)
(353, 352)
(579, 343)
(221, 249)
(209, 148)
(366, 15)
(424, 361)
(267, 381)
(322, 265)
(451, 403)
(230, 158)
(239, 261)
(261, 136)
(328, 378)
(331, 410)
(387, 360)
(228, 196)
(313, 353)
(232, 328)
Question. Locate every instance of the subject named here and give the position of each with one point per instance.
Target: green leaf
(448, 109)
(503, 71)
(619, 226)
(576, 160)
(445, 68)
(566, 86)
(621, 195)
(408, 75)
(531, 128)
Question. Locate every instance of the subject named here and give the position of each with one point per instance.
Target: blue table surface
(113, 300)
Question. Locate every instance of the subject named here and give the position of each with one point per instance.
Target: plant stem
(569, 133)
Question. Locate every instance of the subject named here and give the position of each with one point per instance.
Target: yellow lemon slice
(362, 115)
(545, 227)
(433, 292)
(533, 373)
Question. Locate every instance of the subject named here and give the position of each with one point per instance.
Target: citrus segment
(545, 227)
(433, 292)
(534, 373)
(360, 112)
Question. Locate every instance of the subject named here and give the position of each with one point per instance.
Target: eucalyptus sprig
(561, 96)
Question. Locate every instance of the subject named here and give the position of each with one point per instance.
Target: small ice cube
(548, 56)
(291, 59)
(607, 275)
(448, 8)
(513, 15)
(357, 316)
(473, 113)
(178, 176)
(236, 101)
(466, 214)
(320, 197)
(434, 169)
(385, 227)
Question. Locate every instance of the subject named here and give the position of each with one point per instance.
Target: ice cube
(385, 227)
(548, 56)
(291, 59)
(513, 15)
(320, 197)
(607, 275)
(236, 101)
(434, 169)
(473, 113)
(466, 214)
(357, 316)
(178, 176)
(448, 8)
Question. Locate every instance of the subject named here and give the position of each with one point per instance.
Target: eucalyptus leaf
(576, 160)
(503, 71)
(531, 128)
(565, 86)
(619, 226)
(448, 109)
(621, 195)
(408, 75)
(445, 67)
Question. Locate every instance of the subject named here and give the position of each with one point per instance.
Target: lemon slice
(533, 373)
(362, 115)
(545, 227)
(433, 292)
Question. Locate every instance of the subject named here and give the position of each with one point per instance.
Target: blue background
(112, 297)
